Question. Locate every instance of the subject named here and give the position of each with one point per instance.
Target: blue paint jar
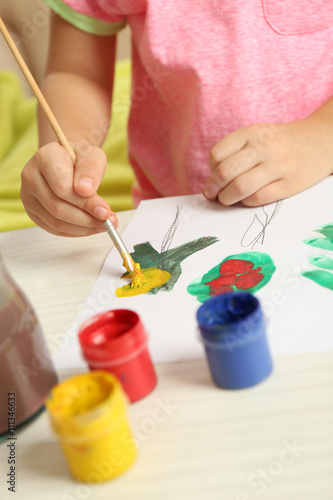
(233, 332)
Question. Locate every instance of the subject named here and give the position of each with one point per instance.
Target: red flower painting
(249, 272)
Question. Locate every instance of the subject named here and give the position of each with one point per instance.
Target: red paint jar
(116, 341)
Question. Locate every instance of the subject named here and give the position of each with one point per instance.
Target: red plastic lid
(111, 335)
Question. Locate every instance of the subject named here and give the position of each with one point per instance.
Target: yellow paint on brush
(154, 279)
(138, 279)
(88, 414)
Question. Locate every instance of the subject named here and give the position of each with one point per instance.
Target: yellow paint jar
(88, 414)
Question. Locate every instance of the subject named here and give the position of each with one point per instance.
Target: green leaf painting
(322, 278)
(326, 242)
(169, 260)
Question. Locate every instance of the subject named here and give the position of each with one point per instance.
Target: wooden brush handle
(36, 90)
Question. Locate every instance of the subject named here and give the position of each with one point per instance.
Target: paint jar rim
(114, 402)
(112, 335)
(221, 328)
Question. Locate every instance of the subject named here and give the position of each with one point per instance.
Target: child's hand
(263, 163)
(61, 199)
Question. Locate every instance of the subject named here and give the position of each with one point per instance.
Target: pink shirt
(205, 68)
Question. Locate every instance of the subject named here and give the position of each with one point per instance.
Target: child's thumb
(89, 170)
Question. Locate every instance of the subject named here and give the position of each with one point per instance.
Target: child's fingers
(58, 216)
(228, 146)
(49, 197)
(61, 209)
(229, 170)
(90, 167)
(56, 184)
(247, 184)
(60, 228)
(58, 197)
(274, 191)
(56, 167)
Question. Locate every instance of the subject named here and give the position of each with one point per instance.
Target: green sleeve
(84, 22)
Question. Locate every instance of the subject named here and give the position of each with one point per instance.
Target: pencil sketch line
(169, 235)
(260, 237)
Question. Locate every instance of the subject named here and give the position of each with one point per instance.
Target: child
(229, 98)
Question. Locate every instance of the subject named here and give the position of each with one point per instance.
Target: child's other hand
(263, 163)
(61, 199)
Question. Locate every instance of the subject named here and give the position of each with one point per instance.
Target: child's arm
(263, 163)
(78, 88)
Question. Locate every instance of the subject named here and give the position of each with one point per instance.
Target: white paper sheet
(298, 311)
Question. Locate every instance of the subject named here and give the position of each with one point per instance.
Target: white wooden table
(273, 441)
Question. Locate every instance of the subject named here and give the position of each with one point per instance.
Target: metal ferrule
(119, 244)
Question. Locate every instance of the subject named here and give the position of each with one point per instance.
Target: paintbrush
(133, 268)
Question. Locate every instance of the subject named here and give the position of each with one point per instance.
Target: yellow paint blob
(154, 279)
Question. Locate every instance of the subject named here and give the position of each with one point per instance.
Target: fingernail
(85, 183)
(101, 213)
(211, 191)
